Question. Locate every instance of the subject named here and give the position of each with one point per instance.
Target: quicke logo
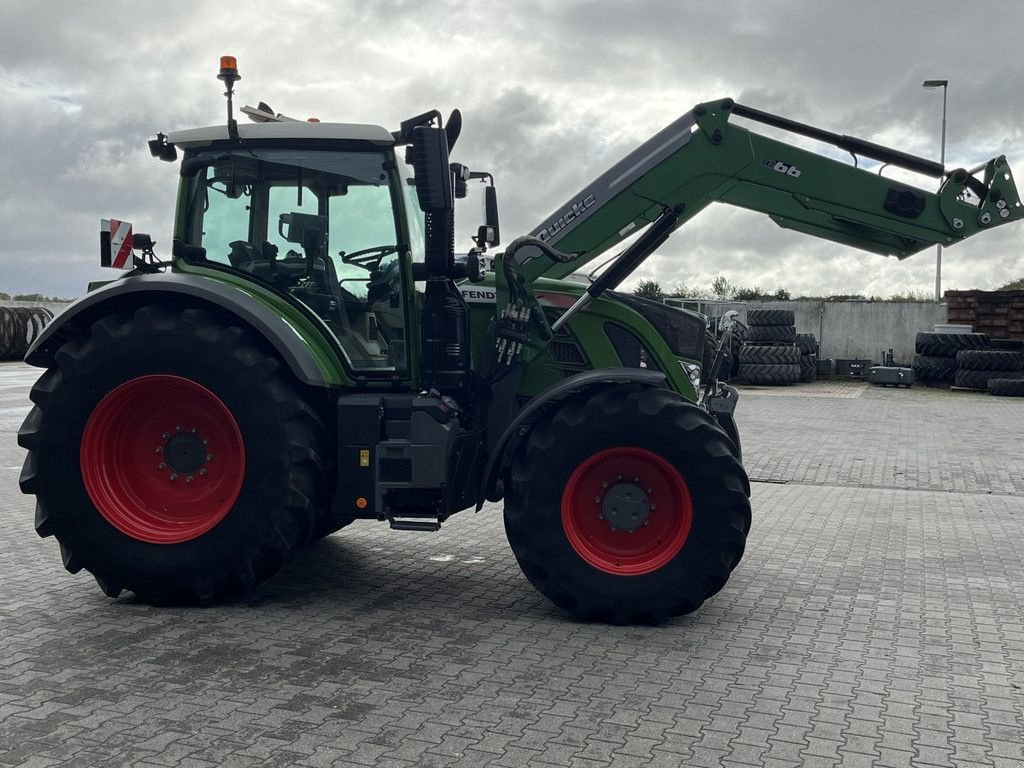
(574, 212)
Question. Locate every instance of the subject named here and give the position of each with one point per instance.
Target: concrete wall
(862, 329)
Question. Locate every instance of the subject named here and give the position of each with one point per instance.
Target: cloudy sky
(552, 93)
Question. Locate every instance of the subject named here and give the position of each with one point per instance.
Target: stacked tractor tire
(19, 327)
(808, 346)
(969, 361)
(773, 353)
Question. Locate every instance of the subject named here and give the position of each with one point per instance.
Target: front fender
(135, 291)
(569, 386)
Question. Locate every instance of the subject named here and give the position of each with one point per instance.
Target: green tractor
(314, 354)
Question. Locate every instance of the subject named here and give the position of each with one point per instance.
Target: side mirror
(428, 155)
(491, 214)
(489, 234)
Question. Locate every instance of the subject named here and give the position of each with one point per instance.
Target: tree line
(38, 297)
(723, 290)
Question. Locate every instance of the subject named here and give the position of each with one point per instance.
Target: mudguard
(136, 290)
(568, 386)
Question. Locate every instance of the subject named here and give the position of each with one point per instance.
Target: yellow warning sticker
(364, 457)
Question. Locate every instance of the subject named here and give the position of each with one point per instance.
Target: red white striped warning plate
(115, 244)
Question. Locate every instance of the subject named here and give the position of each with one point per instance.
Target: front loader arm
(703, 157)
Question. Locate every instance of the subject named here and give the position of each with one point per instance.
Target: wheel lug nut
(162, 465)
(159, 450)
(174, 476)
(597, 499)
(177, 428)
(209, 457)
(203, 471)
(166, 435)
(189, 479)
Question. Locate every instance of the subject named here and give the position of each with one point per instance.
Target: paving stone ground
(877, 619)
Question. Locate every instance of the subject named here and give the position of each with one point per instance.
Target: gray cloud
(551, 93)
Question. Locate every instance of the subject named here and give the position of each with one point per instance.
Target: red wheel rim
(658, 492)
(162, 459)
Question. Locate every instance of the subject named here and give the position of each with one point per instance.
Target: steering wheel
(368, 258)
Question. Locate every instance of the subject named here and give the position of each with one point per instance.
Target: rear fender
(520, 426)
(137, 291)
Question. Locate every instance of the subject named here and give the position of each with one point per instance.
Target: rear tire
(769, 354)
(989, 360)
(763, 317)
(109, 466)
(1006, 387)
(980, 379)
(948, 344)
(770, 374)
(684, 466)
(775, 333)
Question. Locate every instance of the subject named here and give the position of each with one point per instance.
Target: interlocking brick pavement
(876, 619)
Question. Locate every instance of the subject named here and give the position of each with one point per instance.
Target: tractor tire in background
(1006, 387)
(772, 333)
(989, 360)
(807, 343)
(770, 374)
(934, 370)
(19, 327)
(763, 317)
(171, 456)
(948, 344)
(619, 460)
(768, 354)
(808, 368)
(980, 379)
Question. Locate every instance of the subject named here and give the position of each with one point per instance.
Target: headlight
(692, 371)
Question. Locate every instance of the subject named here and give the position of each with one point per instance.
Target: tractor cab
(323, 212)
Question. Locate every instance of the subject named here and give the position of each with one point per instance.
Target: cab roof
(198, 137)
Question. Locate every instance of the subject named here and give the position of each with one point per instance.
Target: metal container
(855, 367)
(891, 375)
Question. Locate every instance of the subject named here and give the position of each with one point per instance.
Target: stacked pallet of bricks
(19, 327)
(770, 353)
(999, 314)
(968, 361)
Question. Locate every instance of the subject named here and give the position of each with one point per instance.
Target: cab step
(399, 524)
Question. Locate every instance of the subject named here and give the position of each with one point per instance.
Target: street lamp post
(944, 85)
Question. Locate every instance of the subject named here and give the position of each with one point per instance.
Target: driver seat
(350, 339)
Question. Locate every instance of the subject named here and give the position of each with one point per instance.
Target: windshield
(322, 225)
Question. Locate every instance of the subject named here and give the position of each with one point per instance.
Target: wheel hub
(626, 507)
(185, 452)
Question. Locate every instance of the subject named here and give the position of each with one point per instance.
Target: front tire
(628, 506)
(171, 456)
